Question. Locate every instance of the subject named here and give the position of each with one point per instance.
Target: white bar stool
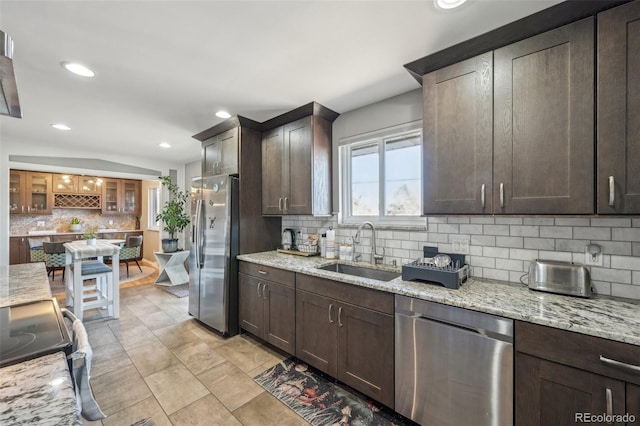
(98, 295)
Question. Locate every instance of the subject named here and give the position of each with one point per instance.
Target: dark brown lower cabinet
(18, 250)
(566, 378)
(349, 342)
(267, 309)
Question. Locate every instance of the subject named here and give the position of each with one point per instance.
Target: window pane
(365, 180)
(403, 177)
(154, 207)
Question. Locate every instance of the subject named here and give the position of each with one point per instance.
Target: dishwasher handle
(477, 330)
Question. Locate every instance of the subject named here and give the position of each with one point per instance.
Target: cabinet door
(316, 331)
(130, 196)
(89, 185)
(18, 250)
(17, 191)
(39, 198)
(210, 156)
(65, 184)
(543, 123)
(272, 171)
(633, 401)
(110, 197)
(548, 393)
(297, 171)
(365, 352)
(458, 137)
(280, 316)
(619, 110)
(251, 305)
(228, 152)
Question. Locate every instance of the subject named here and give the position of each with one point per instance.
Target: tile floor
(156, 361)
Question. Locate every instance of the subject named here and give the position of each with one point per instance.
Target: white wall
(28, 148)
(500, 246)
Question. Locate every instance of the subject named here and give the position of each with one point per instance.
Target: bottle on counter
(331, 243)
(323, 245)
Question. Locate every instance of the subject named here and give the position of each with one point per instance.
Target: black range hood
(9, 103)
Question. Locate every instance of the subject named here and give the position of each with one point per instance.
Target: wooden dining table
(78, 250)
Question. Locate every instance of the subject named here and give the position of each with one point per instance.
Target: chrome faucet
(375, 257)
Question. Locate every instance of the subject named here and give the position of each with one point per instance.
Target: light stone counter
(38, 392)
(23, 283)
(610, 318)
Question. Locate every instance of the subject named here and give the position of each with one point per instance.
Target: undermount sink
(361, 271)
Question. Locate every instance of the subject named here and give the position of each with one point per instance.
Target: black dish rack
(452, 276)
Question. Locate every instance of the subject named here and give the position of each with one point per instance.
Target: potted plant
(173, 216)
(75, 225)
(90, 236)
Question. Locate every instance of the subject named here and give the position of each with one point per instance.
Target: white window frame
(153, 209)
(346, 145)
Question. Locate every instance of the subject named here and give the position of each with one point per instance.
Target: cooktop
(31, 330)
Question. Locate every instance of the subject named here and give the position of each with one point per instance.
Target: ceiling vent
(9, 103)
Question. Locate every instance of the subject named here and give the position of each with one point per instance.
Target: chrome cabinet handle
(259, 295)
(264, 291)
(280, 203)
(623, 365)
(286, 204)
(482, 195)
(609, 398)
(260, 271)
(22, 208)
(501, 195)
(340, 316)
(330, 309)
(612, 191)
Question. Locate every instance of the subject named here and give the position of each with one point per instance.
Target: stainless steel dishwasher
(453, 366)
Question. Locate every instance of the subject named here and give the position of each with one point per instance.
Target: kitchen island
(606, 317)
(38, 391)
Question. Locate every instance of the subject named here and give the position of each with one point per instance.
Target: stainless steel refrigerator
(213, 268)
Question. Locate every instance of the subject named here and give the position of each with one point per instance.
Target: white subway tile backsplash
(524, 231)
(625, 290)
(626, 234)
(608, 221)
(585, 233)
(502, 247)
(515, 242)
(539, 243)
(522, 254)
(556, 232)
(518, 277)
(572, 221)
(611, 275)
(496, 229)
(496, 252)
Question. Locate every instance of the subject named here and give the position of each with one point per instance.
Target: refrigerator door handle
(199, 236)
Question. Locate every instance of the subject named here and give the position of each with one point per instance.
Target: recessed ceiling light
(448, 4)
(78, 69)
(223, 114)
(164, 145)
(60, 126)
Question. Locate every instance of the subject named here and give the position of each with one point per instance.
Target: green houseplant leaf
(173, 216)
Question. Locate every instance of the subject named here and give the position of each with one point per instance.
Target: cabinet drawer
(279, 276)
(348, 293)
(578, 350)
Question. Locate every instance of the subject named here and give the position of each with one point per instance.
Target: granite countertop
(606, 317)
(38, 391)
(23, 283)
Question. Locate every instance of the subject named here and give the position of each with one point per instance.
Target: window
(381, 176)
(154, 208)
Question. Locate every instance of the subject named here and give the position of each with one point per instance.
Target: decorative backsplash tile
(61, 219)
(501, 247)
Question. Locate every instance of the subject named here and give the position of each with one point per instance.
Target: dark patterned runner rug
(321, 402)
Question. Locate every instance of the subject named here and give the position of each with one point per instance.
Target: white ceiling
(164, 67)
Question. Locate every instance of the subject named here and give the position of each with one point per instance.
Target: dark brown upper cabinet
(458, 137)
(296, 162)
(220, 154)
(543, 123)
(618, 130)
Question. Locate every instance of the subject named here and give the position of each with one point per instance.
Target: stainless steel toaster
(559, 277)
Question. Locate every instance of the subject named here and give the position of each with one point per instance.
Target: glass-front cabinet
(90, 185)
(120, 196)
(65, 184)
(30, 192)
